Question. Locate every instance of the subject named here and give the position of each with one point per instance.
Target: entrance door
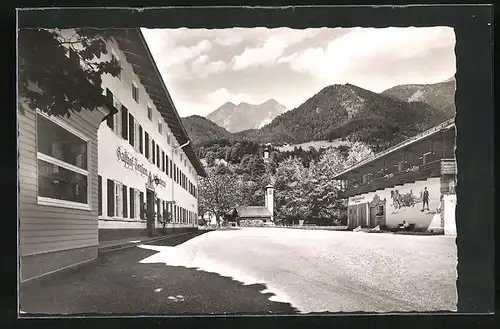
(150, 223)
(373, 217)
(362, 215)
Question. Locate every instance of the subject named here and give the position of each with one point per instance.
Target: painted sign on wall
(131, 162)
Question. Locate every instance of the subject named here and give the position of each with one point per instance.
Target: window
(158, 154)
(153, 149)
(137, 205)
(124, 123)
(141, 205)
(380, 210)
(146, 143)
(62, 165)
(162, 161)
(118, 200)
(137, 136)
(141, 140)
(135, 92)
(125, 201)
(168, 139)
(171, 169)
(427, 157)
(270, 192)
(132, 203)
(117, 117)
(99, 194)
(160, 127)
(131, 130)
(150, 113)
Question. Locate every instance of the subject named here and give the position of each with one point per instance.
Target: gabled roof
(136, 50)
(253, 212)
(448, 124)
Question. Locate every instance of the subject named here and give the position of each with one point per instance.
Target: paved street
(260, 270)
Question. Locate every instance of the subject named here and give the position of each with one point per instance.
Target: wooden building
(391, 186)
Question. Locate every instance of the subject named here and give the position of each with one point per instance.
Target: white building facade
(144, 166)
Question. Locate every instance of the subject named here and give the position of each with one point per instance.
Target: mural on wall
(417, 208)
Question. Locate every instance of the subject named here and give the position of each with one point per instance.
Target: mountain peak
(228, 104)
(246, 116)
(271, 101)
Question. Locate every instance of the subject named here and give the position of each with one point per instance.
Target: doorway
(150, 221)
(373, 217)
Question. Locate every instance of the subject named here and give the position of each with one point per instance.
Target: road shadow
(117, 284)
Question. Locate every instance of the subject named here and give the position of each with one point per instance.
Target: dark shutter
(124, 202)
(146, 146)
(111, 198)
(109, 99)
(141, 205)
(131, 136)
(99, 189)
(141, 146)
(162, 161)
(157, 156)
(132, 203)
(153, 146)
(124, 122)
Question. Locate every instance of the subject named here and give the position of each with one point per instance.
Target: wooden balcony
(422, 172)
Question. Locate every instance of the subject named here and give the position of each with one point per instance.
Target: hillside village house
(94, 175)
(389, 187)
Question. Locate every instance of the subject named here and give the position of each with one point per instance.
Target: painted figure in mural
(425, 199)
(405, 200)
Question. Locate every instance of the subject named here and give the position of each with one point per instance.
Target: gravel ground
(260, 270)
(118, 283)
(324, 271)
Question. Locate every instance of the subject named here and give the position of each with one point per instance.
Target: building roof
(426, 134)
(136, 50)
(253, 212)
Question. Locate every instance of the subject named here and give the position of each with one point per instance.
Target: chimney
(270, 200)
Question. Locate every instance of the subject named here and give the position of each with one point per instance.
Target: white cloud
(360, 46)
(272, 48)
(201, 67)
(229, 39)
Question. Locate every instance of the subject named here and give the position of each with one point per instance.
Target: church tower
(270, 200)
(267, 148)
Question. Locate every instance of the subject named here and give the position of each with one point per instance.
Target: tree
(290, 200)
(358, 152)
(61, 73)
(218, 193)
(210, 157)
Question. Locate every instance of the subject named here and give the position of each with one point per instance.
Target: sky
(205, 68)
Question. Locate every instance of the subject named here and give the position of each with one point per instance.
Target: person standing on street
(425, 199)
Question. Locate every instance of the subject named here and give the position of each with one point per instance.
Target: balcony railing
(412, 174)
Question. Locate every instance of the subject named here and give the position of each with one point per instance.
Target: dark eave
(134, 46)
(448, 124)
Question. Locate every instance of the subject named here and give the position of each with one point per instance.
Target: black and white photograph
(237, 171)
